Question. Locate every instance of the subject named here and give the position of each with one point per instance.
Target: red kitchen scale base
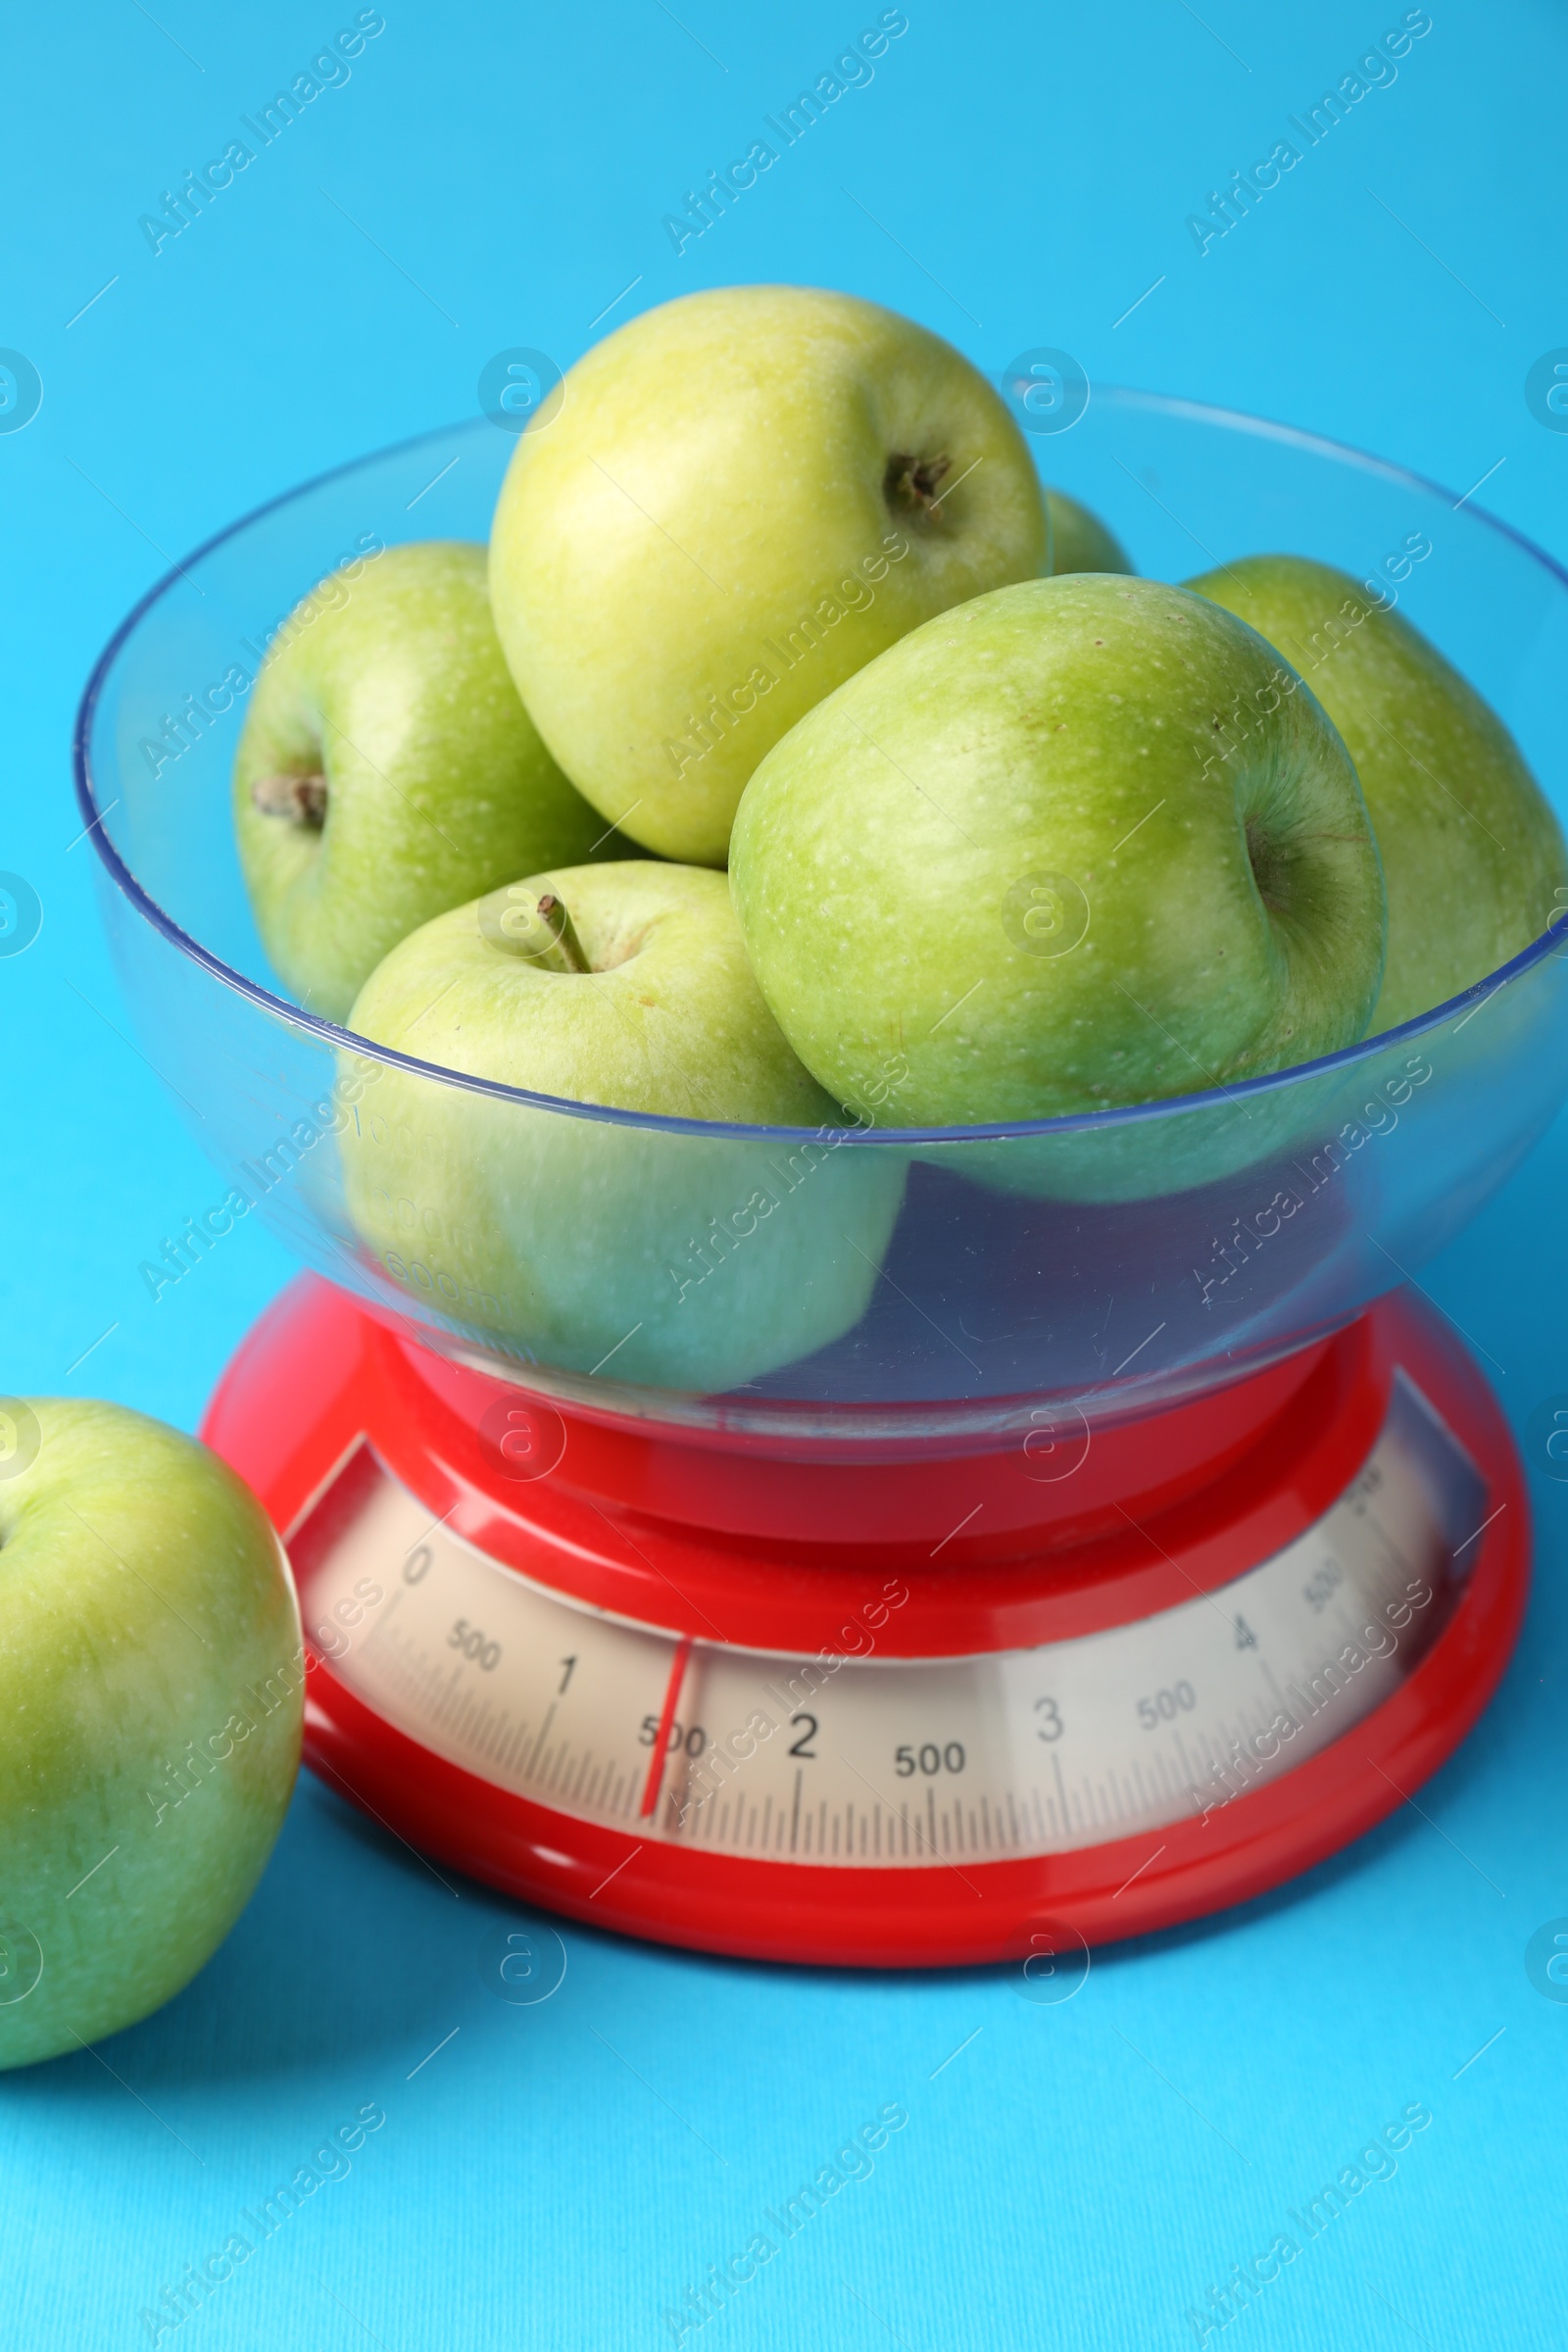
(918, 1708)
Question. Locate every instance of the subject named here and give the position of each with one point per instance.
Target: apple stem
(538, 931)
(300, 799)
(563, 938)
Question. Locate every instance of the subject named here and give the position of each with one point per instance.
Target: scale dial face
(876, 1760)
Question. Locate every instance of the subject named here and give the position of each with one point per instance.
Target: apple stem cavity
(298, 800)
(1271, 866)
(911, 483)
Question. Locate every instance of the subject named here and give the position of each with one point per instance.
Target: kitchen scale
(1133, 1540)
(722, 1698)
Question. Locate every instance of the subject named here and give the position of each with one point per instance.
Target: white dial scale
(896, 1761)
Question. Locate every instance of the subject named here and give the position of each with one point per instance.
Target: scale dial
(886, 1761)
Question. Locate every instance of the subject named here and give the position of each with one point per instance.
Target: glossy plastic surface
(1151, 1254)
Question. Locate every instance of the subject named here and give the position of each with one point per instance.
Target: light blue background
(556, 2175)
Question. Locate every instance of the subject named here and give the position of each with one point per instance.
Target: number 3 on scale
(1051, 1725)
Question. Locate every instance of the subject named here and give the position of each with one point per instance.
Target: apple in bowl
(387, 770)
(1079, 540)
(1013, 850)
(694, 1258)
(739, 499)
(1473, 855)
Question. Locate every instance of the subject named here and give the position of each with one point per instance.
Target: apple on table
(151, 1698)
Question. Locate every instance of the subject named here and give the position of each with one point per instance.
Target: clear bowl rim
(339, 1039)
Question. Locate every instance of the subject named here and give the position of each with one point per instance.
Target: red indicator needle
(655, 1769)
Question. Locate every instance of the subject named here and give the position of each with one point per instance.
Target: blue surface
(558, 2175)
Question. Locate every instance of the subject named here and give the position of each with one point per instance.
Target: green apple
(1079, 540)
(387, 769)
(151, 1692)
(697, 1259)
(1010, 851)
(743, 497)
(1472, 854)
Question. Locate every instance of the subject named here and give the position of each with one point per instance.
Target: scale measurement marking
(1017, 1752)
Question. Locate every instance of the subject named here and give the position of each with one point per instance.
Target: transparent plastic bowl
(839, 1286)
